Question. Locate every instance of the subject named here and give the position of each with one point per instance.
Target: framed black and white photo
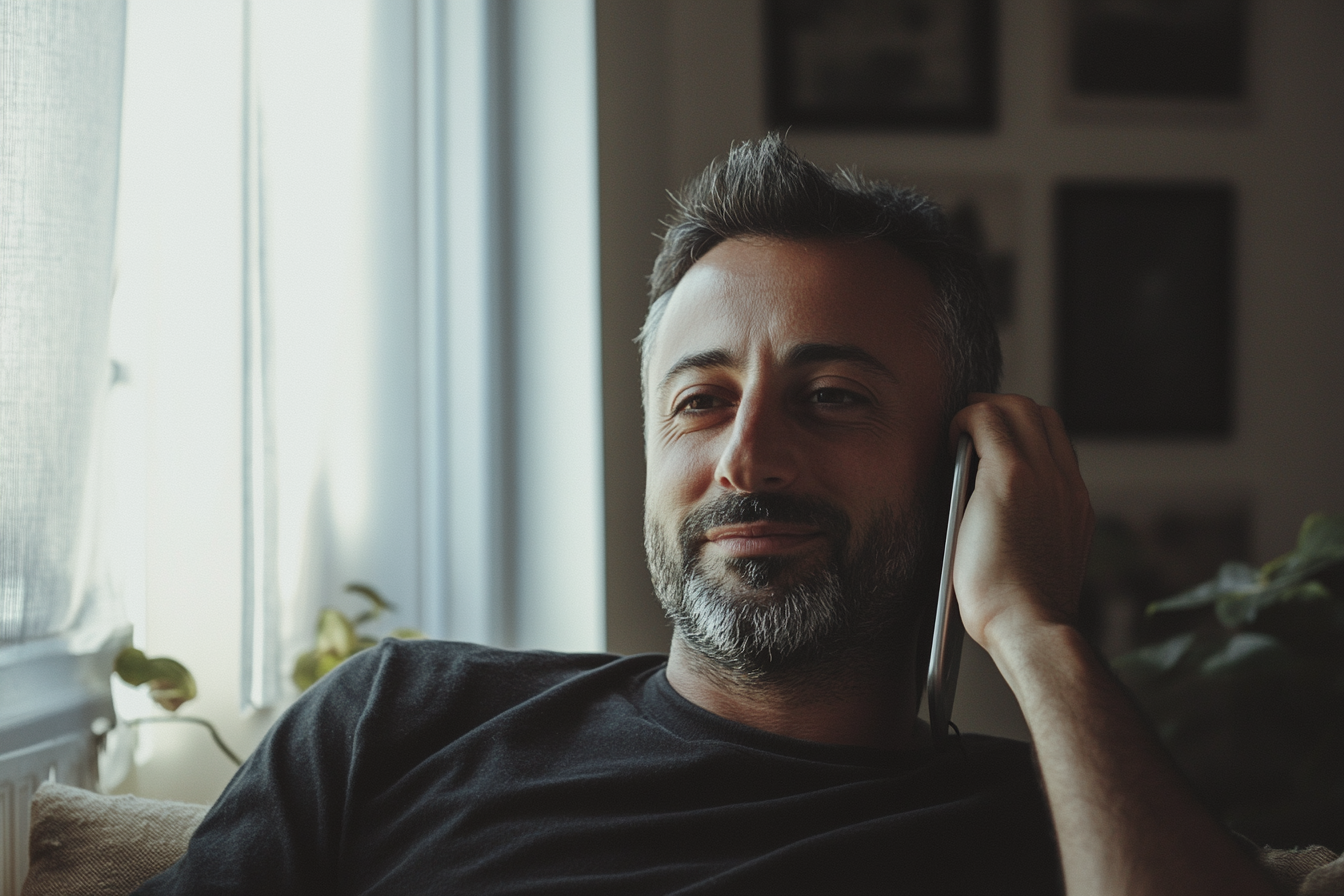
(1181, 61)
(1144, 309)
(882, 64)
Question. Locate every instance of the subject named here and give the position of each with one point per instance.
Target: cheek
(892, 472)
(677, 476)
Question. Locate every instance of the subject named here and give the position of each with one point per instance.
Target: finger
(980, 422)
(1061, 446)
(1008, 422)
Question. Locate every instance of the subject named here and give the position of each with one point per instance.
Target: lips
(762, 539)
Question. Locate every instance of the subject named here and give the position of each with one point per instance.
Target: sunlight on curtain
(268, 227)
(60, 97)
(287, 237)
(334, 91)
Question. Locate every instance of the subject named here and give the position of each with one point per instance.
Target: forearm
(1126, 821)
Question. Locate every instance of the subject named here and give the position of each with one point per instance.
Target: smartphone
(945, 657)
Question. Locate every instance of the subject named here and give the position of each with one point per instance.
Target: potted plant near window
(338, 638)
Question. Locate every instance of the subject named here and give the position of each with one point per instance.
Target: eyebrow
(799, 356)
(823, 352)
(714, 357)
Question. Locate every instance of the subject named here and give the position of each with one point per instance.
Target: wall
(679, 80)
(632, 97)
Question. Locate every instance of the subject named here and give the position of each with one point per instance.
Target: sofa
(87, 844)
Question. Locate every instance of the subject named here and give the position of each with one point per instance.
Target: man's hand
(1126, 822)
(1028, 525)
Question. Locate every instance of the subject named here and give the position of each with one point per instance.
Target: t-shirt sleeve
(277, 827)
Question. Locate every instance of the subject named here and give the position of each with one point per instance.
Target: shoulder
(411, 667)
(450, 686)
(389, 706)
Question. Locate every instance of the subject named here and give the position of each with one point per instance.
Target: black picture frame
(1164, 50)
(882, 64)
(1144, 335)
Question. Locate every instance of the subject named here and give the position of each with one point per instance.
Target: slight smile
(762, 539)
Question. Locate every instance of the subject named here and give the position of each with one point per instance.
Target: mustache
(728, 510)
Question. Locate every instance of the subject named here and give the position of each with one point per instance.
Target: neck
(855, 708)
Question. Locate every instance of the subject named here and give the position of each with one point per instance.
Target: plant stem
(219, 741)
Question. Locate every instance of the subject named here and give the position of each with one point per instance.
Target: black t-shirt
(428, 767)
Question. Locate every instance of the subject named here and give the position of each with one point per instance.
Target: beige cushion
(87, 844)
(1327, 880)
(1303, 872)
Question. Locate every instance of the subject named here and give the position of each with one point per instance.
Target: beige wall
(680, 79)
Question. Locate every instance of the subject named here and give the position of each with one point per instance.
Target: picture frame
(1154, 61)
(1144, 309)
(879, 64)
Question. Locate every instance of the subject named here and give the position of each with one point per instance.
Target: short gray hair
(765, 189)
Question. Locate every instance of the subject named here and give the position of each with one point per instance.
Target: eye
(700, 401)
(835, 396)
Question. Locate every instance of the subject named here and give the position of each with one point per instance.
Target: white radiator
(50, 697)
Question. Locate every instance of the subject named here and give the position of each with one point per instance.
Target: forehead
(771, 294)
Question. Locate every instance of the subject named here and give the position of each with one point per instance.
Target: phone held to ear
(945, 657)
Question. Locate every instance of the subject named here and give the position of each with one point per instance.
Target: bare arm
(1126, 822)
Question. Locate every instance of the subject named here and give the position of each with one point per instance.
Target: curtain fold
(60, 107)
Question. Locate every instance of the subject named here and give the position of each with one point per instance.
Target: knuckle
(994, 418)
(1017, 475)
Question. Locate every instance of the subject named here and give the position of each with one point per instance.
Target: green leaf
(406, 634)
(1233, 578)
(1322, 535)
(170, 684)
(305, 670)
(335, 633)
(1307, 591)
(311, 666)
(1248, 654)
(1239, 593)
(379, 604)
(1235, 610)
(326, 662)
(1320, 544)
(1155, 659)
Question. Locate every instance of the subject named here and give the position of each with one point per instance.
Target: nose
(759, 455)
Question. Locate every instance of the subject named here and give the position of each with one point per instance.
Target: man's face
(794, 432)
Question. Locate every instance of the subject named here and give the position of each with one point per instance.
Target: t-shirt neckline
(685, 719)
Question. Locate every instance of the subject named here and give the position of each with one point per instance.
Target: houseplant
(1249, 695)
(338, 638)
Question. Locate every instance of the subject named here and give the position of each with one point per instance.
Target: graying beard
(778, 633)
(755, 637)
(756, 572)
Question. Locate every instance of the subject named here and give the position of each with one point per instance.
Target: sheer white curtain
(428, 202)
(428, 206)
(267, 244)
(60, 625)
(335, 310)
(60, 98)
(355, 321)
(362, 239)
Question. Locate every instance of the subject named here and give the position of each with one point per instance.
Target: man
(816, 346)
